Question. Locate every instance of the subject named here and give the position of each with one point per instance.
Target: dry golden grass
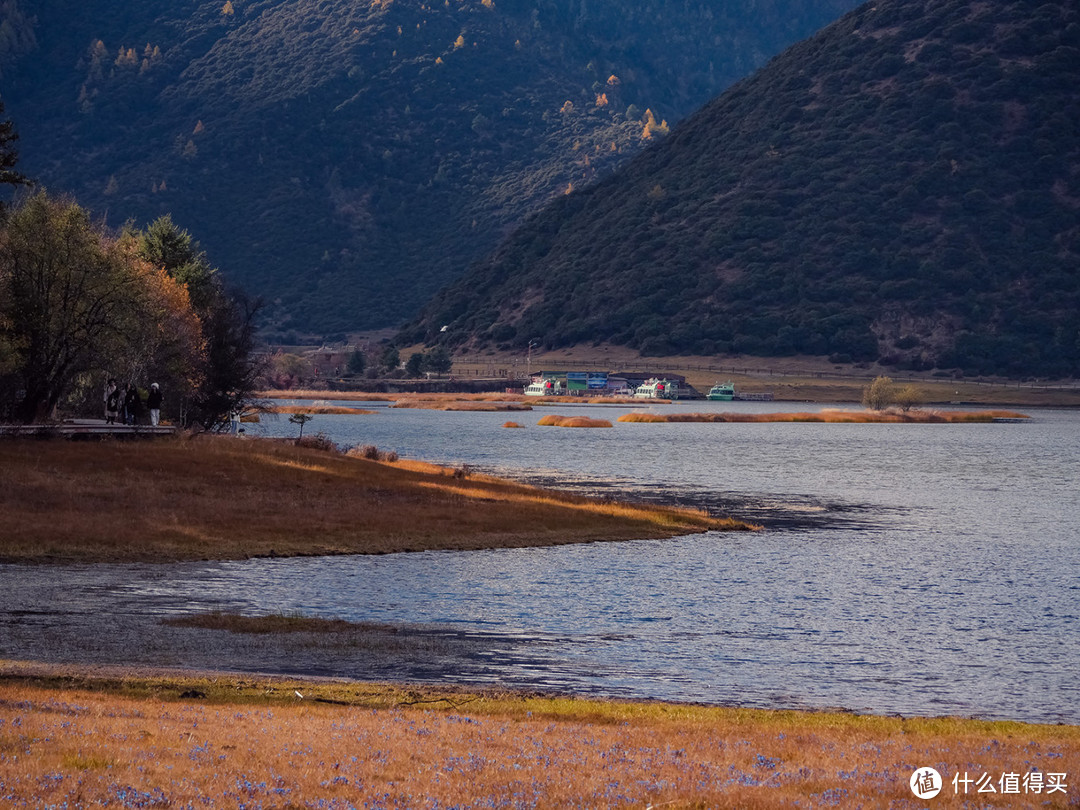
(311, 393)
(572, 400)
(512, 425)
(642, 417)
(224, 498)
(470, 405)
(315, 409)
(554, 420)
(832, 416)
(133, 742)
(413, 400)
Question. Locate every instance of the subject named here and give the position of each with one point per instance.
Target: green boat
(724, 392)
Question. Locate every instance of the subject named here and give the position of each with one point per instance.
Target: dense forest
(902, 187)
(346, 159)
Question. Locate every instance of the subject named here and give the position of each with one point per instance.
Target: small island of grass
(555, 420)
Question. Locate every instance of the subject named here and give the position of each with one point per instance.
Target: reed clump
(555, 420)
(512, 425)
(642, 417)
(372, 453)
(203, 741)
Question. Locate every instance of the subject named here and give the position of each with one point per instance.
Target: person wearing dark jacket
(132, 404)
(153, 404)
(112, 401)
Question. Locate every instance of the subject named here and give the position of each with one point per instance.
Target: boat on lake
(722, 392)
(657, 389)
(545, 387)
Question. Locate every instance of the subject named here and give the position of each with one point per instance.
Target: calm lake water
(912, 569)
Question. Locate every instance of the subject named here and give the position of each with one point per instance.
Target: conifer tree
(8, 156)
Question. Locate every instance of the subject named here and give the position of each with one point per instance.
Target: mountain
(347, 158)
(903, 187)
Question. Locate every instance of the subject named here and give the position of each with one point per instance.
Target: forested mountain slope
(904, 186)
(349, 157)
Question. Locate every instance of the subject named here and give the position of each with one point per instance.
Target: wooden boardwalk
(87, 429)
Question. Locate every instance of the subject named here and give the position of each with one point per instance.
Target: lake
(911, 569)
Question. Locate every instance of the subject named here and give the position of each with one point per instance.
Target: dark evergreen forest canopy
(346, 158)
(904, 186)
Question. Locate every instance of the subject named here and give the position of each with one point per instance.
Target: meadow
(220, 497)
(73, 738)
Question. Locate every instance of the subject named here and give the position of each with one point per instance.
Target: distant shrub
(372, 453)
(320, 441)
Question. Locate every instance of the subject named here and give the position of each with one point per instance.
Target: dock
(760, 397)
(86, 429)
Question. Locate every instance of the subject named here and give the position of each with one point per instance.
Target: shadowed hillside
(346, 159)
(903, 186)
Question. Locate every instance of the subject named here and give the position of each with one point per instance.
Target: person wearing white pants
(153, 404)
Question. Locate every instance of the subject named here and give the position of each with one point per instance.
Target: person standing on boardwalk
(112, 401)
(132, 404)
(153, 404)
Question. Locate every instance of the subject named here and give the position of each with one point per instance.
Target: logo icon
(925, 783)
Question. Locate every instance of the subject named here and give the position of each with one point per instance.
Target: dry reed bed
(314, 409)
(254, 743)
(831, 415)
(363, 396)
(445, 405)
(226, 498)
(554, 420)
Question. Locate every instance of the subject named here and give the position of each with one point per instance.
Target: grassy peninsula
(223, 498)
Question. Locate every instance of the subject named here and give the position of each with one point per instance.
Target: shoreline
(241, 685)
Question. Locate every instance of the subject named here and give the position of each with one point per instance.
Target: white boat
(657, 389)
(544, 388)
(722, 392)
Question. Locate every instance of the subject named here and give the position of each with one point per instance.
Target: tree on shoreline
(301, 419)
(74, 301)
(229, 369)
(883, 393)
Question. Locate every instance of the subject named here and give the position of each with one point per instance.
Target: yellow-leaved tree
(77, 303)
